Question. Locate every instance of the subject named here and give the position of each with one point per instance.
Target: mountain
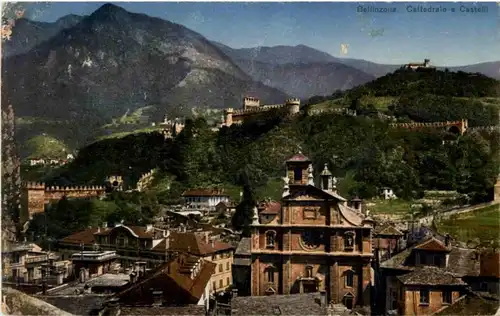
(299, 70)
(27, 34)
(114, 60)
(305, 79)
(277, 55)
(490, 69)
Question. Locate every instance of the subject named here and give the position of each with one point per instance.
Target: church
(313, 242)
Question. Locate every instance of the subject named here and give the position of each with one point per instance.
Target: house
(206, 199)
(314, 242)
(227, 208)
(25, 262)
(184, 280)
(388, 194)
(242, 267)
(431, 275)
(202, 245)
(387, 241)
(96, 262)
(131, 243)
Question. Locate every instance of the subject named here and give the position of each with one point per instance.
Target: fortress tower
(496, 190)
(228, 113)
(32, 200)
(293, 105)
(115, 182)
(250, 103)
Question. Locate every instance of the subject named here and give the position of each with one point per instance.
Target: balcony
(37, 259)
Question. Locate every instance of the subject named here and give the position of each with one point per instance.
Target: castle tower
(32, 200)
(250, 103)
(116, 182)
(228, 113)
(293, 106)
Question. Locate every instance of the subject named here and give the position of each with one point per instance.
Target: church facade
(313, 243)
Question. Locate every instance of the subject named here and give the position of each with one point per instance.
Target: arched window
(270, 238)
(270, 274)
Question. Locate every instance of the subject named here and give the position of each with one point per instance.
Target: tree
(242, 218)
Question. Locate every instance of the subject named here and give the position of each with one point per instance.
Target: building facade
(204, 198)
(315, 242)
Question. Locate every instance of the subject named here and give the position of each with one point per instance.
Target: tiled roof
(430, 276)
(295, 304)
(270, 207)
(76, 304)
(244, 247)
(471, 305)
(140, 231)
(463, 262)
(191, 243)
(85, 237)
(204, 192)
(164, 310)
(178, 271)
(432, 244)
(387, 229)
(227, 204)
(298, 158)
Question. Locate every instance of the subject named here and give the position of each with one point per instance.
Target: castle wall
(36, 195)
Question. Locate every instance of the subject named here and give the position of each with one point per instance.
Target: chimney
(149, 228)
(207, 237)
(104, 224)
(213, 243)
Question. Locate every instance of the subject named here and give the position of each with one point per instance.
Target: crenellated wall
(461, 125)
(35, 196)
(251, 106)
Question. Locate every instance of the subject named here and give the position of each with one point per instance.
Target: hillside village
(381, 199)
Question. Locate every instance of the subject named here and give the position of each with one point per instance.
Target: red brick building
(313, 242)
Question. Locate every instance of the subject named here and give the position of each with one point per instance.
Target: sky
(402, 34)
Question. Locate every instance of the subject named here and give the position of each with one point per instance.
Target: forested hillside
(363, 151)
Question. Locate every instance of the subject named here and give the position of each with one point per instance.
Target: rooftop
(164, 310)
(299, 158)
(76, 304)
(205, 192)
(472, 305)
(177, 282)
(270, 207)
(193, 243)
(430, 276)
(295, 304)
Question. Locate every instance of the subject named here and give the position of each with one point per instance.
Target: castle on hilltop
(425, 65)
(252, 106)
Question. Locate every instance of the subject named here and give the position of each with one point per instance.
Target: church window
(349, 241)
(297, 174)
(270, 238)
(349, 278)
(270, 274)
(311, 239)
